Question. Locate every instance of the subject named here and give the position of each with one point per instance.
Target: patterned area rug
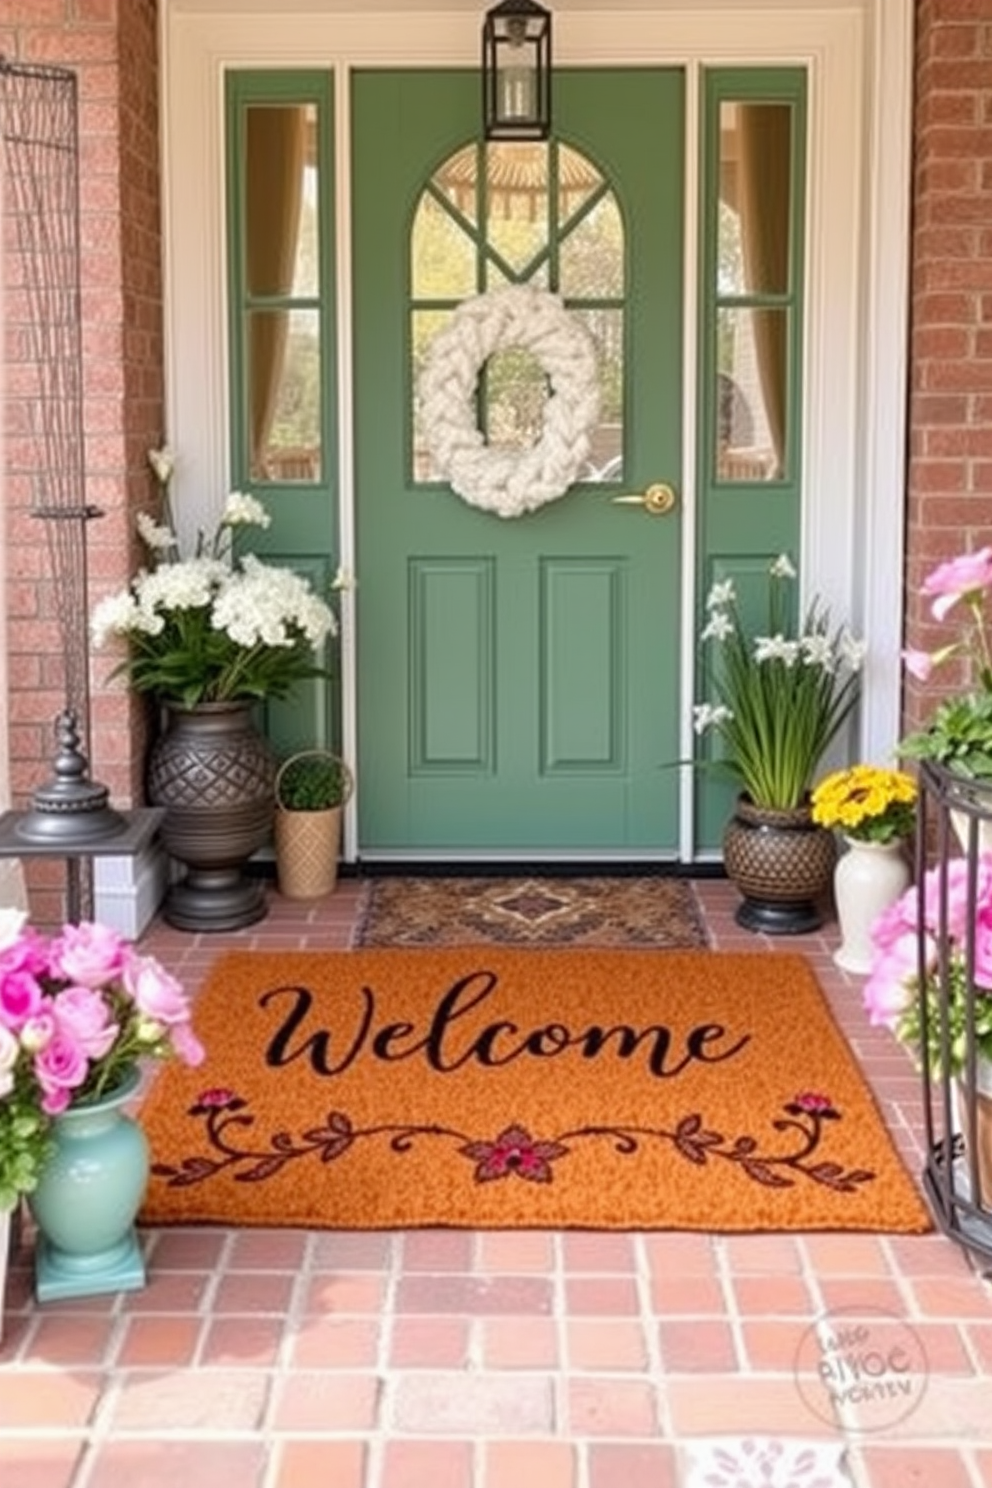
(486, 1087)
(659, 912)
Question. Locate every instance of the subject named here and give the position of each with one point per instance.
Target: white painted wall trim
(859, 54)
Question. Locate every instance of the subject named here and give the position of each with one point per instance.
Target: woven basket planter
(308, 842)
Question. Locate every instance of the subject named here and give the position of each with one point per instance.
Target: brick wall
(949, 488)
(112, 47)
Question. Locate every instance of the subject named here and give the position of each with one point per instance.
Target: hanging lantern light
(516, 71)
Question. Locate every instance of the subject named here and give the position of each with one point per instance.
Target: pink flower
(28, 953)
(20, 998)
(60, 1068)
(90, 955)
(983, 947)
(888, 992)
(919, 664)
(958, 578)
(812, 1100)
(957, 894)
(896, 922)
(157, 994)
(84, 1016)
(215, 1097)
(186, 1044)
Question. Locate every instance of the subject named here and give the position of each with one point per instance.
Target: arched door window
(537, 213)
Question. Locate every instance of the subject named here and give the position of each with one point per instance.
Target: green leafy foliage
(958, 736)
(313, 782)
(781, 695)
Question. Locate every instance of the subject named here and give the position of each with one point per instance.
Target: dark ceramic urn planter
(215, 775)
(782, 862)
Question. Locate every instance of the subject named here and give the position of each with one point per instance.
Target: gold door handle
(658, 499)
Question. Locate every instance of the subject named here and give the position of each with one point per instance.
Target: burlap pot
(308, 843)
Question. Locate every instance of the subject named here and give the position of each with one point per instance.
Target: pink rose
(28, 953)
(157, 994)
(60, 1068)
(958, 578)
(56, 1100)
(983, 947)
(20, 998)
(895, 922)
(957, 894)
(84, 1016)
(186, 1044)
(888, 992)
(89, 954)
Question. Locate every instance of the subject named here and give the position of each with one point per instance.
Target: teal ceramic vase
(87, 1199)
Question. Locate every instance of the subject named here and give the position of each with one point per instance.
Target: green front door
(518, 679)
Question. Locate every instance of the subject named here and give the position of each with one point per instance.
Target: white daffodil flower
(709, 715)
(722, 593)
(776, 648)
(783, 567)
(718, 627)
(818, 651)
(853, 650)
(163, 463)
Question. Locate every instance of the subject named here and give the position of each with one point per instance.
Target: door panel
(517, 679)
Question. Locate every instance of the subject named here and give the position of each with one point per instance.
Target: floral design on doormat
(513, 1152)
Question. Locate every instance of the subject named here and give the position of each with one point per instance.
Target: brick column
(112, 47)
(950, 469)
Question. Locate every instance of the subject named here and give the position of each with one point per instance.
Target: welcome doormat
(485, 1087)
(643, 911)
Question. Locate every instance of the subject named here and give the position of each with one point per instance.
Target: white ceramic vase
(869, 876)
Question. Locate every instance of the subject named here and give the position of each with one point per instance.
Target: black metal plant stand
(39, 154)
(954, 823)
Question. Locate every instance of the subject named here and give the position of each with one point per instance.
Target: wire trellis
(39, 138)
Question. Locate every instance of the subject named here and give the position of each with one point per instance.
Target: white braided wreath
(510, 482)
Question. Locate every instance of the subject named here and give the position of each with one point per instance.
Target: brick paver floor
(447, 1359)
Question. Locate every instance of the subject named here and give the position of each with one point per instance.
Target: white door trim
(859, 56)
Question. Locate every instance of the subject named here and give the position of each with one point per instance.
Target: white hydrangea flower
(243, 510)
(271, 606)
(179, 586)
(783, 567)
(155, 535)
(718, 627)
(343, 580)
(709, 715)
(163, 463)
(116, 615)
(776, 648)
(722, 593)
